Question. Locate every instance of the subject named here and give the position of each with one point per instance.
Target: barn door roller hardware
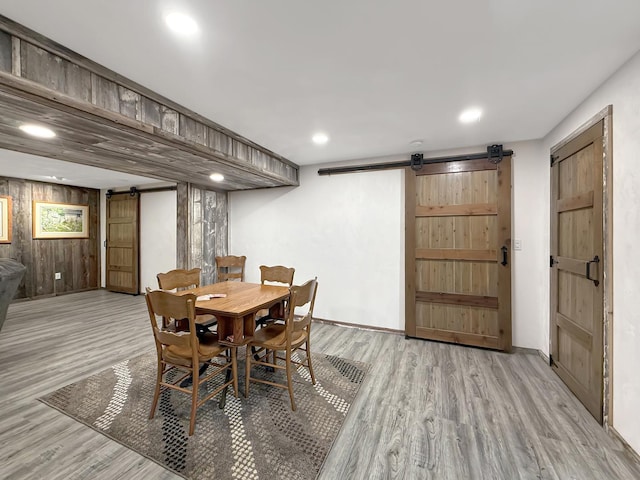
(133, 191)
(494, 154)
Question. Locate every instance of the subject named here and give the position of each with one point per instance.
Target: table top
(241, 299)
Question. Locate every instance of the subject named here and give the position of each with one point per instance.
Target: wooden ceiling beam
(101, 117)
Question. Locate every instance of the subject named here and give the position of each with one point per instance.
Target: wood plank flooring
(426, 410)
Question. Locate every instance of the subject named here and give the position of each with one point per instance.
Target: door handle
(595, 281)
(504, 256)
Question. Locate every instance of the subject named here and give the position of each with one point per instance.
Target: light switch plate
(58, 276)
(517, 244)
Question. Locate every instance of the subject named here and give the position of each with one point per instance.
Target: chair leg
(247, 376)
(156, 394)
(313, 377)
(194, 399)
(290, 381)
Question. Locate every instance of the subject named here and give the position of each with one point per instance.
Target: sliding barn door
(458, 255)
(577, 293)
(123, 243)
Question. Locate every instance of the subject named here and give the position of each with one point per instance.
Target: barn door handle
(504, 256)
(595, 281)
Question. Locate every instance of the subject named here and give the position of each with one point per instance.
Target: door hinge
(551, 261)
(550, 360)
(552, 159)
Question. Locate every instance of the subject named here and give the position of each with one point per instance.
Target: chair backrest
(230, 268)
(277, 274)
(179, 279)
(302, 297)
(173, 307)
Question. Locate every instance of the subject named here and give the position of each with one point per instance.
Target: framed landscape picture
(5, 219)
(60, 220)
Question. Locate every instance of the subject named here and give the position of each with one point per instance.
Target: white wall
(158, 236)
(622, 91)
(530, 269)
(158, 223)
(347, 230)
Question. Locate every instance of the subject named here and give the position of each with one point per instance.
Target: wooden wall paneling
(55, 73)
(214, 232)
(105, 93)
(240, 150)
(76, 259)
(192, 130)
(130, 103)
(150, 112)
(219, 142)
(22, 241)
(170, 120)
(43, 252)
(195, 244)
(202, 229)
(5, 52)
(221, 216)
(182, 229)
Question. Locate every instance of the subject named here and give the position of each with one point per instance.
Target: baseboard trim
(358, 326)
(613, 433)
(525, 350)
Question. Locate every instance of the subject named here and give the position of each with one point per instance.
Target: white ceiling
(374, 75)
(32, 167)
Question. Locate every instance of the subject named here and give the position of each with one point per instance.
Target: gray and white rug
(251, 438)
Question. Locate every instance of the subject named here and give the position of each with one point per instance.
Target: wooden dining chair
(180, 279)
(230, 267)
(185, 351)
(276, 275)
(294, 335)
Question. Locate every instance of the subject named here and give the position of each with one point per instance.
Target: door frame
(607, 253)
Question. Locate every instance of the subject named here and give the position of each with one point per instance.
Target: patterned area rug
(251, 438)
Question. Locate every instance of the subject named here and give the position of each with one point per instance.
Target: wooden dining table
(236, 311)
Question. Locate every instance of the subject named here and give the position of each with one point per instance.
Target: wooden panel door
(123, 243)
(458, 258)
(576, 273)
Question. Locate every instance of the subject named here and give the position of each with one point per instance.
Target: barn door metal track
(494, 154)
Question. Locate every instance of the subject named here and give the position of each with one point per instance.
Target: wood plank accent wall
(202, 229)
(76, 259)
(109, 121)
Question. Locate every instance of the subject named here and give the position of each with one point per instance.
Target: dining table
(235, 305)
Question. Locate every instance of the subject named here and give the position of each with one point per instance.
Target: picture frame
(60, 220)
(5, 219)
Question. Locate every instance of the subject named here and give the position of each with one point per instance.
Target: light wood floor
(426, 410)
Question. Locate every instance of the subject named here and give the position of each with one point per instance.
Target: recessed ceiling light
(416, 143)
(470, 115)
(181, 23)
(37, 130)
(216, 177)
(320, 138)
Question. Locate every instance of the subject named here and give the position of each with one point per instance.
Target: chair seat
(274, 337)
(208, 348)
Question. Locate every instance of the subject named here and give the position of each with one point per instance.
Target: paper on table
(209, 296)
